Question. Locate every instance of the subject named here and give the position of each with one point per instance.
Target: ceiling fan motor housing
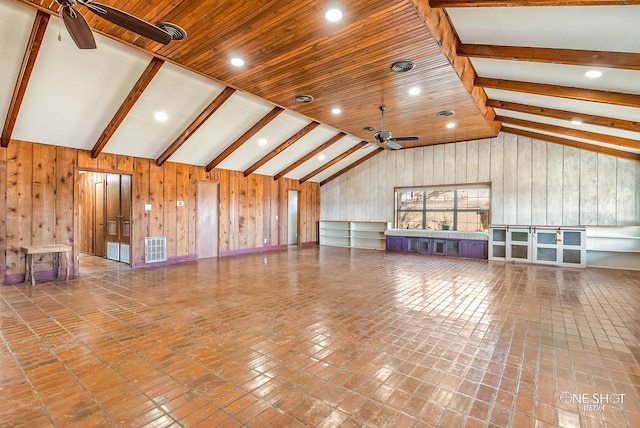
(382, 136)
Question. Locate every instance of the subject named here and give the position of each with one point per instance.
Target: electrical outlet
(265, 240)
(181, 203)
(147, 207)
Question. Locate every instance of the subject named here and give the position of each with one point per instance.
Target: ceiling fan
(81, 32)
(385, 137)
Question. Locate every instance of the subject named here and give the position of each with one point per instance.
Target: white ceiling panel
(344, 163)
(232, 120)
(275, 133)
(73, 93)
(627, 81)
(586, 107)
(179, 93)
(566, 124)
(330, 153)
(15, 27)
(297, 150)
(571, 27)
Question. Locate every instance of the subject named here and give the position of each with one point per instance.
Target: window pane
(409, 219)
(473, 221)
(410, 200)
(473, 199)
(437, 219)
(440, 199)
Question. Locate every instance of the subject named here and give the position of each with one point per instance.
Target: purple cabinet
(395, 243)
(473, 249)
(441, 247)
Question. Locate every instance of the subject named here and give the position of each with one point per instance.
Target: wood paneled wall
(40, 198)
(533, 182)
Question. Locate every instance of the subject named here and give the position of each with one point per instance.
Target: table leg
(26, 267)
(67, 265)
(33, 277)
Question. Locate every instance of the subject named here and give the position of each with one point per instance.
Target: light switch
(147, 207)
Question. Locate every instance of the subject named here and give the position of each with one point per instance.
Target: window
(463, 208)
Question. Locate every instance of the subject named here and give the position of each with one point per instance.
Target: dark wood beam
(197, 123)
(615, 98)
(440, 27)
(333, 161)
(523, 3)
(128, 103)
(351, 166)
(28, 61)
(622, 60)
(243, 139)
(572, 143)
(608, 139)
(311, 154)
(275, 152)
(608, 122)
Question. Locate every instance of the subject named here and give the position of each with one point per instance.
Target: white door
(207, 220)
(293, 218)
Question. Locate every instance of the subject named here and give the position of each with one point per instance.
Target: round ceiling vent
(177, 33)
(402, 66)
(303, 98)
(369, 128)
(445, 113)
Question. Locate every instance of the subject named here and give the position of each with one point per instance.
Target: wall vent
(113, 251)
(124, 253)
(155, 249)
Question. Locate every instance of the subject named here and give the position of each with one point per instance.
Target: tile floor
(323, 337)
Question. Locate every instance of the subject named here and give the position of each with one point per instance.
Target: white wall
(533, 182)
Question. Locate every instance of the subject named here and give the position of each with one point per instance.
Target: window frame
(444, 187)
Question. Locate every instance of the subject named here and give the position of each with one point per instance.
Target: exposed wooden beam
(616, 98)
(311, 154)
(243, 139)
(522, 3)
(351, 166)
(608, 122)
(608, 139)
(440, 27)
(333, 161)
(572, 143)
(622, 60)
(128, 103)
(197, 123)
(301, 133)
(28, 61)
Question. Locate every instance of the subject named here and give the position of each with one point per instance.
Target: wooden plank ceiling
(516, 66)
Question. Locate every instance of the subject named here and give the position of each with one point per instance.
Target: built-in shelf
(355, 234)
(615, 247)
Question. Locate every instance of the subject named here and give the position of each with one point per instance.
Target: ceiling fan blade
(411, 138)
(393, 145)
(130, 22)
(78, 28)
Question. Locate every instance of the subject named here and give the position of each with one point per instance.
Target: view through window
(464, 208)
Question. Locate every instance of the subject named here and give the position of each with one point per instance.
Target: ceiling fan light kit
(82, 36)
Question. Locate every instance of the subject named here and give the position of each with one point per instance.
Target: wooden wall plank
(169, 207)
(607, 177)
(275, 216)
(107, 162)
(472, 162)
(626, 204)
(156, 199)
(510, 174)
(234, 214)
(182, 213)
(400, 178)
(588, 188)
(85, 161)
(449, 163)
(253, 241)
(125, 164)
(244, 210)
(428, 165)
(224, 222)
(438, 164)
(372, 168)
(66, 191)
(417, 155)
(461, 163)
(524, 171)
(554, 184)
(19, 169)
(3, 213)
(484, 160)
(571, 187)
(43, 193)
(140, 218)
(539, 183)
(497, 179)
(407, 163)
(193, 208)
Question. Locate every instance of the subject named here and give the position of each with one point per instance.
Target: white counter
(444, 234)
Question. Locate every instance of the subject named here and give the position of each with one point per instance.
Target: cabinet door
(498, 243)
(574, 250)
(424, 245)
(546, 246)
(453, 247)
(518, 244)
(439, 247)
(395, 243)
(473, 249)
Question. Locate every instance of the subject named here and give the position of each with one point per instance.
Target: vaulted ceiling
(518, 66)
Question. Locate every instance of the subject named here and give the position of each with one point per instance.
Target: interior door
(207, 219)
(125, 218)
(118, 220)
(292, 233)
(99, 245)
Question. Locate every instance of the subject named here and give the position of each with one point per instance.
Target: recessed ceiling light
(414, 91)
(576, 122)
(322, 157)
(451, 125)
(237, 61)
(593, 74)
(369, 128)
(262, 142)
(333, 15)
(303, 98)
(161, 116)
(336, 110)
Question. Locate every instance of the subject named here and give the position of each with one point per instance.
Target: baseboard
(253, 250)
(43, 275)
(169, 261)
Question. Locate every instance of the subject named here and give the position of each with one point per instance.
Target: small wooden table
(56, 249)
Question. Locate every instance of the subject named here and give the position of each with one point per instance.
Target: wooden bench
(54, 249)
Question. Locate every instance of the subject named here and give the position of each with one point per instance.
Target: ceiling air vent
(445, 113)
(303, 98)
(369, 128)
(177, 33)
(402, 66)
